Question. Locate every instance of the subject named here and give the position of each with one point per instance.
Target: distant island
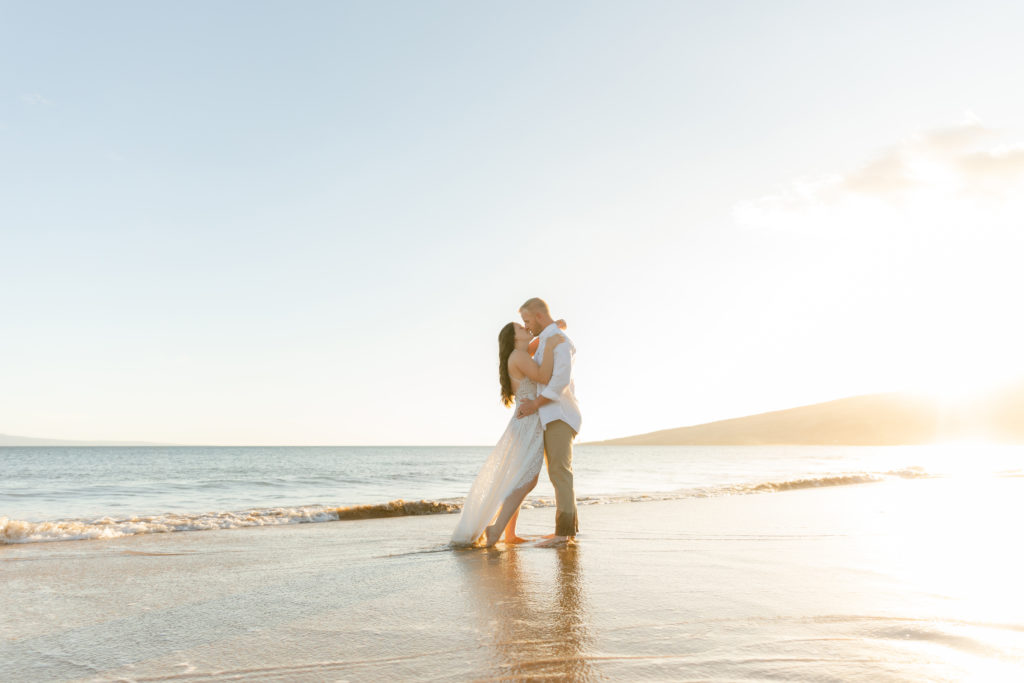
(871, 420)
(13, 440)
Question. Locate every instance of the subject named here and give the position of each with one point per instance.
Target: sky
(243, 223)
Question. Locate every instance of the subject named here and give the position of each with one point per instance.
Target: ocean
(692, 563)
(79, 493)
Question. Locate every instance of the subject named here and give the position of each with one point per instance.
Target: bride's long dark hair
(506, 345)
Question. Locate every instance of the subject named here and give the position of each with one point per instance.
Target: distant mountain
(872, 420)
(12, 440)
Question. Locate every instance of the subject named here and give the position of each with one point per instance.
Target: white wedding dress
(514, 461)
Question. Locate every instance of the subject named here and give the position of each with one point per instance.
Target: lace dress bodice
(527, 390)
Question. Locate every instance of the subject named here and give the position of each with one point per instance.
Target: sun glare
(955, 390)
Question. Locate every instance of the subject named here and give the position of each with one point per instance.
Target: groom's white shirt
(560, 389)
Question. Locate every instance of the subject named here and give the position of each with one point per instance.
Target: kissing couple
(536, 375)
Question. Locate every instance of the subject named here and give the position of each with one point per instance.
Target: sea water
(823, 563)
(70, 493)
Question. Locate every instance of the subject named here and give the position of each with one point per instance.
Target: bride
(511, 470)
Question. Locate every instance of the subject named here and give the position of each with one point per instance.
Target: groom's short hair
(537, 305)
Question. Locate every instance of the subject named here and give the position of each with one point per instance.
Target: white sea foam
(17, 531)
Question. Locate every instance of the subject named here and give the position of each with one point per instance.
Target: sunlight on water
(975, 458)
(947, 534)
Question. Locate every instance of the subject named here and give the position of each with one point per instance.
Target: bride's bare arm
(530, 407)
(547, 364)
(542, 373)
(535, 342)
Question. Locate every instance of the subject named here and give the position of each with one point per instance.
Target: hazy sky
(305, 223)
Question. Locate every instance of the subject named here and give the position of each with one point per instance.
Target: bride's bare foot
(514, 539)
(491, 536)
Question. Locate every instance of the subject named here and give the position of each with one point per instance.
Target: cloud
(955, 138)
(995, 171)
(886, 175)
(938, 167)
(35, 99)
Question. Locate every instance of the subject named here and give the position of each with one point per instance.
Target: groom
(559, 413)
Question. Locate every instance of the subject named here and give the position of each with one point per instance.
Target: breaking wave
(17, 531)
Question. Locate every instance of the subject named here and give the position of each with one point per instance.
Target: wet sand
(892, 581)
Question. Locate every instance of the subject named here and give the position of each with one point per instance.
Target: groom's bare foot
(491, 536)
(554, 541)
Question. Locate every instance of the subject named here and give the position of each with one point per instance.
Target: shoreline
(14, 531)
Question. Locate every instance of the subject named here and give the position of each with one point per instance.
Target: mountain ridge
(884, 419)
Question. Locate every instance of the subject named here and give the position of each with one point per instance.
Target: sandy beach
(888, 581)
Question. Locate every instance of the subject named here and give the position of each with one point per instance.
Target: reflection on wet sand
(531, 609)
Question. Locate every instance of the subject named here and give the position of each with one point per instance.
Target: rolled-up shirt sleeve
(561, 373)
